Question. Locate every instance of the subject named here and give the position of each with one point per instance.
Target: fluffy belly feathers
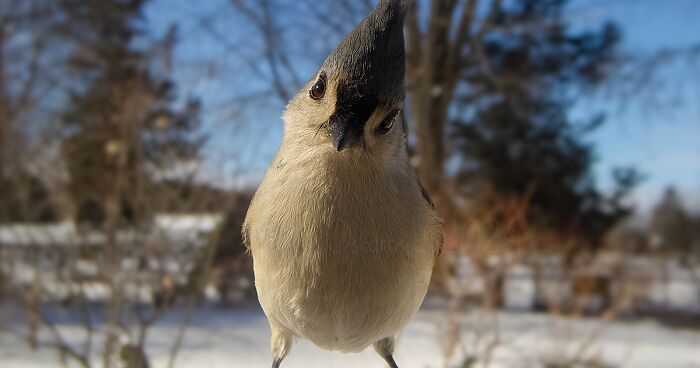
(347, 308)
(341, 269)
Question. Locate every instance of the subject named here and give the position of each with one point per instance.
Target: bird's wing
(425, 194)
(440, 241)
(246, 238)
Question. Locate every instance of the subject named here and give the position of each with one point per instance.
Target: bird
(342, 234)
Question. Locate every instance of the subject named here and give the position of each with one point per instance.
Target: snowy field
(230, 338)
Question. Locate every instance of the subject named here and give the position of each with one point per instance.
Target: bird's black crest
(372, 57)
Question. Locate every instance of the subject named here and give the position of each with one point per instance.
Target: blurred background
(559, 139)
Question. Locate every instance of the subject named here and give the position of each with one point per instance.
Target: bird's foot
(385, 348)
(276, 363)
(390, 361)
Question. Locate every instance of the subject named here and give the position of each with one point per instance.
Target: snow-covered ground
(231, 338)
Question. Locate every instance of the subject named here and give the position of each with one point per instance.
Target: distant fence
(639, 282)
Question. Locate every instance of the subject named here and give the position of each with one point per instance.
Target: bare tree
(114, 280)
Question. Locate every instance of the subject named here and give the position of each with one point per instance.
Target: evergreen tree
(121, 125)
(513, 129)
(672, 228)
(24, 74)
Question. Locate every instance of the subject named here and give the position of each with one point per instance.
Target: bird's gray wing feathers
(425, 194)
(246, 237)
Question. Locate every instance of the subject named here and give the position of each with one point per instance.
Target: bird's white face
(332, 114)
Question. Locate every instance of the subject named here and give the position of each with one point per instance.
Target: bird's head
(353, 103)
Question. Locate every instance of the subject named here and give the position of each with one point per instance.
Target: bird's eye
(318, 90)
(388, 122)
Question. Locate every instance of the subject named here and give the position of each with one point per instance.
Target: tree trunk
(432, 73)
(4, 103)
(494, 280)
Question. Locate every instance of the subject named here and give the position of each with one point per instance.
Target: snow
(62, 233)
(520, 289)
(231, 338)
(179, 227)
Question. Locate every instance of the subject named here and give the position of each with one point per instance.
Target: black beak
(344, 136)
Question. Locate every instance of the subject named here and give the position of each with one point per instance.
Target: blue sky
(663, 143)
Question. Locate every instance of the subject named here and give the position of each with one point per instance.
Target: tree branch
(277, 62)
(462, 36)
(478, 46)
(414, 48)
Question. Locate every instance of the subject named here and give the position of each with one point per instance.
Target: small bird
(342, 234)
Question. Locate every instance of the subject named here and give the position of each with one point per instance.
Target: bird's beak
(344, 135)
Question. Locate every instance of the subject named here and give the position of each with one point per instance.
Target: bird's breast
(341, 258)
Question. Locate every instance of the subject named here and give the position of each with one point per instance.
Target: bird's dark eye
(318, 90)
(388, 122)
